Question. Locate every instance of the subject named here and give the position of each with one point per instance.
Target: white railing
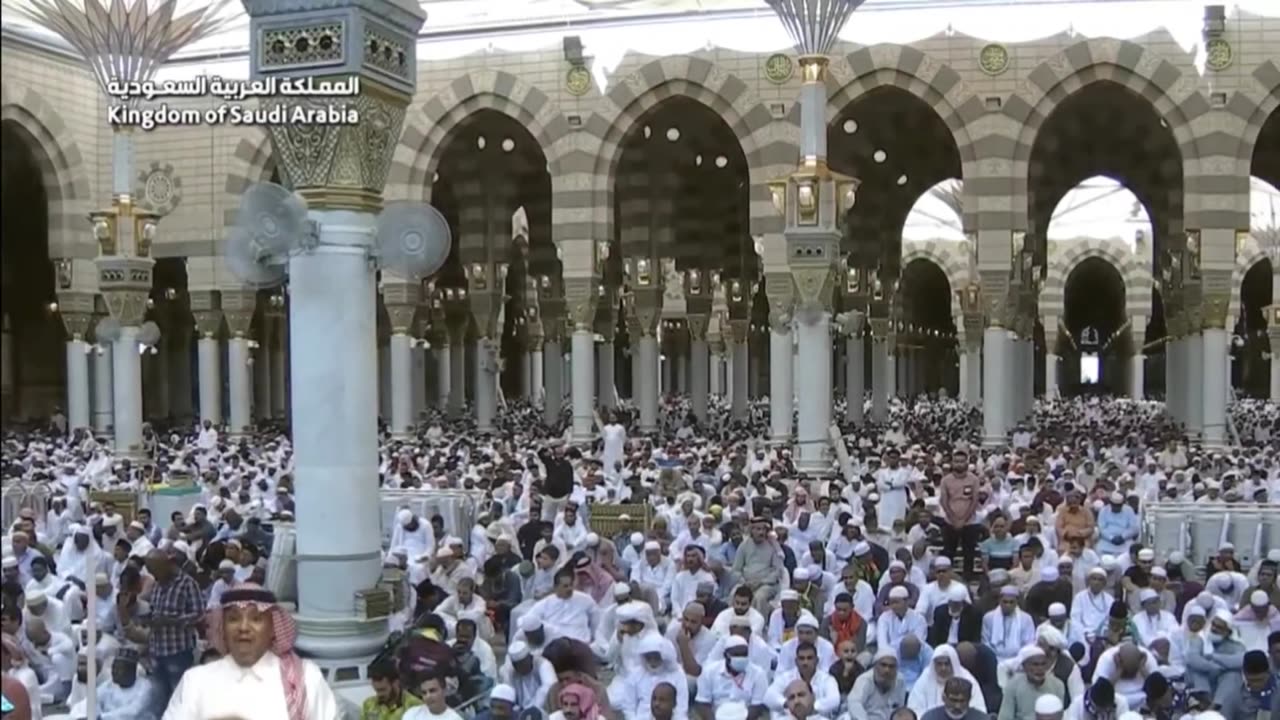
(1198, 529)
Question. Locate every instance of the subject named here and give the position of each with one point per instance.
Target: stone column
(1214, 341)
(6, 369)
(854, 371)
(891, 374)
(647, 393)
(127, 302)
(279, 368)
(1137, 364)
(384, 378)
(605, 371)
(738, 330)
(699, 366)
(457, 330)
(209, 324)
(1174, 391)
(103, 394)
(552, 370)
(333, 289)
(879, 370)
(419, 375)
(1273, 335)
(486, 301)
(441, 356)
(715, 345)
(644, 310)
(177, 344)
(995, 383)
(782, 394)
(1194, 374)
(238, 366)
(77, 326)
(1051, 359)
(583, 261)
(401, 311)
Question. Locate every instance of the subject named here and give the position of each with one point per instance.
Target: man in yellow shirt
(390, 701)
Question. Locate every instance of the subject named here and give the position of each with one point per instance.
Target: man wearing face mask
(732, 678)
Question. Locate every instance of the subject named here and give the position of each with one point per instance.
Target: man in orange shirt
(1075, 521)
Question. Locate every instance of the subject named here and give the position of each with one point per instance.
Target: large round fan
(252, 264)
(413, 239)
(107, 330)
(149, 334)
(274, 216)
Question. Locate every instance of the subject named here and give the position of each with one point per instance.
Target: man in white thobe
(566, 612)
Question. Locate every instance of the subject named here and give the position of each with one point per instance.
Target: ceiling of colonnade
(1105, 129)
(492, 152)
(899, 147)
(681, 180)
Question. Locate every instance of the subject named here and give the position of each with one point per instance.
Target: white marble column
(1174, 389)
(1051, 363)
(77, 383)
(1195, 375)
(1215, 359)
(973, 351)
(855, 379)
(457, 376)
(1137, 375)
(238, 380)
(741, 381)
(813, 335)
(334, 295)
(892, 375)
(995, 346)
(443, 368)
(126, 385)
(210, 378)
(605, 372)
(781, 382)
(384, 381)
(538, 393)
(964, 394)
(262, 382)
(280, 371)
(486, 390)
(553, 377)
(699, 380)
(881, 372)
(583, 347)
(103, 395)
(717, 374)
(400, 383)
(419, 374)
(647, 388)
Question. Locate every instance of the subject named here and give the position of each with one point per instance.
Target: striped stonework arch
(949, 256)
(62, 170)
(914, 71)
(1228, 144)
(1173, 94)
(1064, 257)
(250, 163)
(429, 126)
(770, 147)
(1250, 254)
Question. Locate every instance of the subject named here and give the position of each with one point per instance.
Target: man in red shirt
(958, 498)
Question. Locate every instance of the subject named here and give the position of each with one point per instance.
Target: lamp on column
(640, 272)
(847, 196)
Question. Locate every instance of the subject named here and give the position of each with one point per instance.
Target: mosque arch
(1250, 344)
(251, 162)
(623, 109)
(1170, 94)
(947, 256)
(429, 126)
(938, 214)
(1263, 236)
(1094, 318)
(62, 170)
(1259, 106)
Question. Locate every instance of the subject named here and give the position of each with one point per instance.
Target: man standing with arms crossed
(958, 498)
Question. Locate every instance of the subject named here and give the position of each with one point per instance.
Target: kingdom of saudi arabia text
(162, 115)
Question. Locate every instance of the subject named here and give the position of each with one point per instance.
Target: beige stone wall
(992, 117)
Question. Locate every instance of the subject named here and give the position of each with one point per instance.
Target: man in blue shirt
(1117, 527)
(1254, 697)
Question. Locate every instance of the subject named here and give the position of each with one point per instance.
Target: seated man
(389, 699)
(125, 696)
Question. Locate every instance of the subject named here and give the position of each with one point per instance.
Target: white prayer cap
(1148, 594)
(35, 597)
(873, 497)
(1029, 652)
(630, 612)
(404, 516)
(443, 553)
(651, 644)
(138, 526)
(862, 548)
(101, 579)
(1147, 555)
(518, 651)
(592, 539)
(882, 653)
(1274, 555)
(789, 595)
(897, 565)
(731, 711)
(652, 545)
(1098, 571)
(1226, 546)
(9, 562)
(637, 539)
(1057, 610)
(942, 561)
(1009, 591)
(956, 593)
(226, 565)
(734, 641)
(113, 521)
(801, 573)
(807, 620)
(1117, 498)
(621, 589)
(1049, 573)
(1159, 572)
(1196, 610)
(529, 623)
(1108, 562)
(1048, 705)
(1259, 599)
(899, 593)
(503, 692)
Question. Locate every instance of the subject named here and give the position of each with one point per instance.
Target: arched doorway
(1094, 317)
(1250, 347)
(34, 362)
(929, 340)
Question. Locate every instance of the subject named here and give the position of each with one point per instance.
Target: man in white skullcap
(1007, 629)
(880, 691)
(899, 621)
(1118, 527)
(731, 679)
(413, 534)
(566, 612)
(1090, 607)
(1031, 681)
(1049, 707)
(653, 574)
(1256, 620)
(938, 593)
(1153, 621)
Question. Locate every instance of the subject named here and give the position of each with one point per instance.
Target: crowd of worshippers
(923, 575)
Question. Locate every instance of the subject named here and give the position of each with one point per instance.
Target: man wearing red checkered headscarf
(259, 675)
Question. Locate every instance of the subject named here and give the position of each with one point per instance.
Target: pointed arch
(1064, 257)
(947, 256)
(62, 169)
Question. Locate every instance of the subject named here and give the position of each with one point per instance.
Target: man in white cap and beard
(1049, 707)
(412, 534)
(531, 676)
(1030, 683)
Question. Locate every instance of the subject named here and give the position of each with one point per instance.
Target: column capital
(129, 307)
(238, 323)
(698, 325)
(401, 317)
(739, 329)
(880, 328)
(1213, 313)
(77, 324)
(644, 310)
(851, 323)
(580, 296)
(208, 322)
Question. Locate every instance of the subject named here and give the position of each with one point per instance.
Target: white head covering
(1048, 705)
